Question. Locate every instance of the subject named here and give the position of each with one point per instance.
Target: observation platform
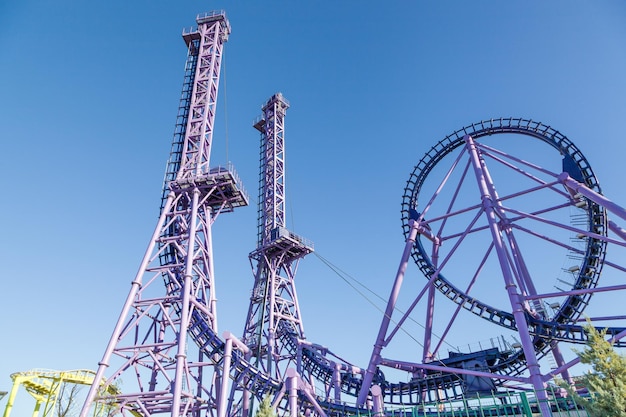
(222, 188)
(214, 16)
(284, 242)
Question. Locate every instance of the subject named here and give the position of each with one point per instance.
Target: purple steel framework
(170, 375)
(150, 341)
(273, 318)
(542, 206)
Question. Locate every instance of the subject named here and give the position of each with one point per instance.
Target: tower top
(213, 16)
(279, 99)
(281, 106)
(208, 18)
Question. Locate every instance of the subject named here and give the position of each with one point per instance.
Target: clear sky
(89, 93)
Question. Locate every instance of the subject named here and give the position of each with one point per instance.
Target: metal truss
(172, 298)
(273, 317)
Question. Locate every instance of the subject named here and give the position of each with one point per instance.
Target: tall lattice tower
(274, 313)
(164, 346)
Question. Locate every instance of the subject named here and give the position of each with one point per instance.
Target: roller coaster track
(242, 370)
(560, 328)
(220, 191)
(45, 385)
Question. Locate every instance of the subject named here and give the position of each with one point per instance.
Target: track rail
(561, 327)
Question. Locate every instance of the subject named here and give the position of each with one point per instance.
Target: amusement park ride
(476, 218)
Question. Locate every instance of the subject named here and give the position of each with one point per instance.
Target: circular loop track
(545, 327)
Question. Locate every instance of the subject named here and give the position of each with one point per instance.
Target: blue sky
(89, 93)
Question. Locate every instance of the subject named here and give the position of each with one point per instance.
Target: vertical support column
(337, 381)
(181, 355)
(272, 353)
(231, 342)
(37, 408)
(208, 236)
(430, 310)
(245, 400)
(292, 387)
(377, 396)
(515, 299)
(368, 377)
(16, 385)
(228, 354)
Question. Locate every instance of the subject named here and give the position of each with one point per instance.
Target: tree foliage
(606, 381)
(265, 409)
(109, 407)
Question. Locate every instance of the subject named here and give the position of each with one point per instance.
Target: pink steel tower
(274, 315)
(172, 297)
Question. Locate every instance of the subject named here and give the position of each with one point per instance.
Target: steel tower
(172, 297)
(274, 313)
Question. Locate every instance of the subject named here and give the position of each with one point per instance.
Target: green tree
(265, 409)
(606, 381)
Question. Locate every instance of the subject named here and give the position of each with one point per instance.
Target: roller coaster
(480, 211)
(46, 387)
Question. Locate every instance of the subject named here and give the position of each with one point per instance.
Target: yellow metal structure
(44, 386)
